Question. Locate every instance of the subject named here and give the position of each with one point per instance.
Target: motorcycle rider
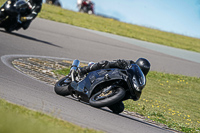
(122, 64)
(24, 21)
(88, 3)
(35, 6)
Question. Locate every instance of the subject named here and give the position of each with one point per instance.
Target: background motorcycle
(103, 88)
(54, 2)
(11, 12)
(87, 7)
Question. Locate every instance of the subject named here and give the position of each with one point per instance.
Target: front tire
(62, 86)
(8, 29)
(113, 96)
(117, 107)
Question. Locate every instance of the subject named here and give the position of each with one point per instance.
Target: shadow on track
(31, 38)
(133, 118)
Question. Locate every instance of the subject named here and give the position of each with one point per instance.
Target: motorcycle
(54, 2)
(10, 14)
(87, 7)
(103, 88)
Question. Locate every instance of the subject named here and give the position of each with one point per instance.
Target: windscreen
(137, 77)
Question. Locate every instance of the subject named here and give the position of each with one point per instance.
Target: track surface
(47, 38)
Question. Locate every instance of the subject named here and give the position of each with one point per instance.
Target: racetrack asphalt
(57, 40)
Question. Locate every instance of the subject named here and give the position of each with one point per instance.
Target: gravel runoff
(42, 69)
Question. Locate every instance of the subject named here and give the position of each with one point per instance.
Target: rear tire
(116, 95)
(90, 12)
(62, 86)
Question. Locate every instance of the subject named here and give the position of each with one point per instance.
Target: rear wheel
(90, 12)
(62, 86)
(107, 98)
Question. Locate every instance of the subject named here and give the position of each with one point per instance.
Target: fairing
(86, 87)
(138, 79)
(132, 78)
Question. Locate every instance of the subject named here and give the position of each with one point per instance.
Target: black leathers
(122, 64)
(35, 6)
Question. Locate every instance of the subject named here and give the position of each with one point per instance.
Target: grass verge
(169, 99)
(17, 119)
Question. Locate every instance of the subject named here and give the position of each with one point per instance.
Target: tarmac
(176, 52)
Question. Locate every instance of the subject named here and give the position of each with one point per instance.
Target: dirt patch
(40, 68)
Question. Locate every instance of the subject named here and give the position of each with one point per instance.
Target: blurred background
(176, 16)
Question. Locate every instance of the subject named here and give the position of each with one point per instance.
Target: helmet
(144, 65)
(21, 4)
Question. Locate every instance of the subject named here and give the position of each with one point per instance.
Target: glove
(23, 19)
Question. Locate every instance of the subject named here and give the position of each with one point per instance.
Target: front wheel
(1, 22)
(62, 86)
(8, 29)
(117, 107)
(102, 98)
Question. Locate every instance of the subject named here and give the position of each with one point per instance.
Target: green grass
(64, 71)
(17, 119)
(169, 99)
(119, 28)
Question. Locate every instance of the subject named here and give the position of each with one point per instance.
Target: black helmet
(144, 65)
(21, 4)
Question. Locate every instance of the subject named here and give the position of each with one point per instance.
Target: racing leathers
(35, 6)
(122, 64)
